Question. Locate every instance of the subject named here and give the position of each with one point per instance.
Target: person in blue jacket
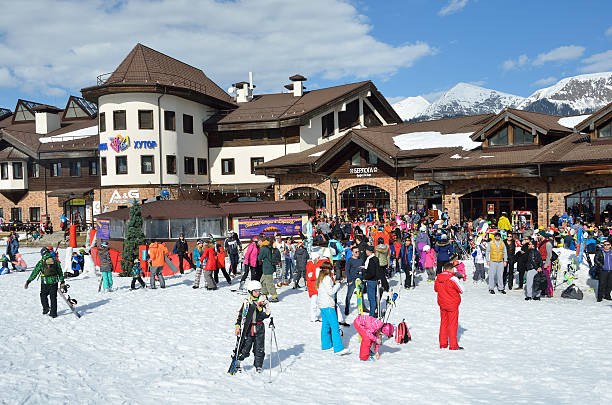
(444, 250)
(337, 257)
(353, 272)
(406, 252)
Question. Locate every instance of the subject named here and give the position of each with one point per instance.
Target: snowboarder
(75, 266)
(137, 274)
(370, 329)
(50, 272)
(106, 266)
(449, 290)
(254, 328)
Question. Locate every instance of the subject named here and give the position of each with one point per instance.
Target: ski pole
(275, 343)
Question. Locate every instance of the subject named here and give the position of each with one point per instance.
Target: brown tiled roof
(10, 153)
(545, 121)
(576, 148)
(594, 117)
(302, 158)
(265, 207)
(147, 66)
(165, 209)
(481, 158)
(283, 106)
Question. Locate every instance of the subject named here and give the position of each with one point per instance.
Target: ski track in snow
(174, 346)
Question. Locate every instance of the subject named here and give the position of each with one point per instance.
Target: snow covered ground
(174, 346)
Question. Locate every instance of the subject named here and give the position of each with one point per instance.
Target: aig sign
(125, 198)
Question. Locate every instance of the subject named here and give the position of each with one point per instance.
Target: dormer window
(521, 136)
(500, 138)
(604, 132)
(24, 111)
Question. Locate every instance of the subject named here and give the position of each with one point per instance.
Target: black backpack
(572, 292)
(540, 283)
(276, 256)
(49, 267)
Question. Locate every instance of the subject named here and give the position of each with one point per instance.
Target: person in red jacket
(312, 272)
(449, 290)
(210, 265)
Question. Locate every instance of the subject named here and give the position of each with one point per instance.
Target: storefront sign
(103, 146)
(125, 198)
(120, 143)
(77, 201)
(103, 228)
(491, 209)
(285, 226)
(145, 144)
(363, 171)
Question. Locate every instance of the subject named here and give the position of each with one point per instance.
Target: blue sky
(49, 50)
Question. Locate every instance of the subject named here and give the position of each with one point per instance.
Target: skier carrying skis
(254, 331)
(50, 272)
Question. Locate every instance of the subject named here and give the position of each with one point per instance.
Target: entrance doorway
(424, 198)
(74, 209)
(358, 200)
(490, 204)
(593, 205)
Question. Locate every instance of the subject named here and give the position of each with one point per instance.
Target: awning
(71, 192)
(242, 188)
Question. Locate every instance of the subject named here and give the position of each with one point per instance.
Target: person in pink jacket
(429, 264)
(250, 262)
(370, 328)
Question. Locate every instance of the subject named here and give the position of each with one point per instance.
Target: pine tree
(134, 237)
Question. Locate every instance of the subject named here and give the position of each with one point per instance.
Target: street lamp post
(334, 183)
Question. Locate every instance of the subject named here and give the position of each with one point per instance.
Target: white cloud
(609, 32)
(545, 81)
(521, 61)
(70, 43)
(599, 62)
(561, 53)
(6, 78)
(452, 7)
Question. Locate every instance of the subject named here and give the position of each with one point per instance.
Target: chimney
(244, 90)
(47, 119)
(297, 86)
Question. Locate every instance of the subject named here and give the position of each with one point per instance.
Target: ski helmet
(104, 244)
(44, 251)
(253, 285)
(387, 329)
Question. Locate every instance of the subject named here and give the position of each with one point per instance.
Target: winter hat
(423, 228)
(542, 233)
(387, 329)
(444, 237)
(380, 241)
(253, 285)
(426, 248)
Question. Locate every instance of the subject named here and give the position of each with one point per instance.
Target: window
(145, 119)
(327, 125)
(169, 121)
(356, 159)
(255, 161)
(500, 138)
(170, 164)
(56, 169)
(227, 166)
(119, 120)
(75, 168)
(186, 226)
(103, 166)
(121, 165)
(146, 165)
(93, 167)
(102, 125)
(372, 158)
(18, 170)
(189, 168)
(202, 167)
(34, 170)
(522, 136)
(35, 214)
(209, 225)
(117, 228)
(156, 228)
(604, 132)
(4, 171)
(350, 117)
(187, 124)
(16, 214)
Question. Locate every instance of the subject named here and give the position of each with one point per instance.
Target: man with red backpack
(449, 290)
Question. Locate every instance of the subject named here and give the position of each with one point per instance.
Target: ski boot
(259, 370)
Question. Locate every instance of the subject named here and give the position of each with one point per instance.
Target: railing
(167, 79)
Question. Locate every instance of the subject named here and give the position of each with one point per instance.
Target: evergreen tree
(134, 237)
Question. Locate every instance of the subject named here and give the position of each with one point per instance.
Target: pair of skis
(247, 315)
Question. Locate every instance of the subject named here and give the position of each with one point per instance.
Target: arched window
(425, 197)
(491, 203)
(311, 196)
(358, 200)
(591, 205)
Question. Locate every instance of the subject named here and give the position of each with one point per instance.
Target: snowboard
(171, 265)
(69, 302)
(482, 233)
(359, 289)
(247, 315)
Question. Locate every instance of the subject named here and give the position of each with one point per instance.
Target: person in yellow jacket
(504, 223)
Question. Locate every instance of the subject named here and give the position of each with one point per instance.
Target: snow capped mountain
(411, 107)
(467, 99)
(572, 95)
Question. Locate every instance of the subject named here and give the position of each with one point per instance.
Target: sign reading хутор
(284, 226)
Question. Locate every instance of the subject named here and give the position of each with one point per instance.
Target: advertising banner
(103, 228)
(285, 226)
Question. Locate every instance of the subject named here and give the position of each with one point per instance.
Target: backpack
(540, 283)
(572, 292)
(276, 256)
(49, 267)
(402, 334)
(334, 249)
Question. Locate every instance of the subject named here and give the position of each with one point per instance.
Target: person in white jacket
(330, 329)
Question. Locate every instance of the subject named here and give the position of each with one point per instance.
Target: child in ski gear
(254, 332)
(157, 259)
(106, 266)
(330, 329)
(449, 289)
(137, 274)
(478, 254)
(210, 265)
(429, 263)
(4, 265)
(220, 252)
(370, 329)
(459, 269)
(19, 263)
(75, 266)
(50, 272)
(197, 258)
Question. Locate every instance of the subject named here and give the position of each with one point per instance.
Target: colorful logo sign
(118, 198)
(285, 226)
(120, 143)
